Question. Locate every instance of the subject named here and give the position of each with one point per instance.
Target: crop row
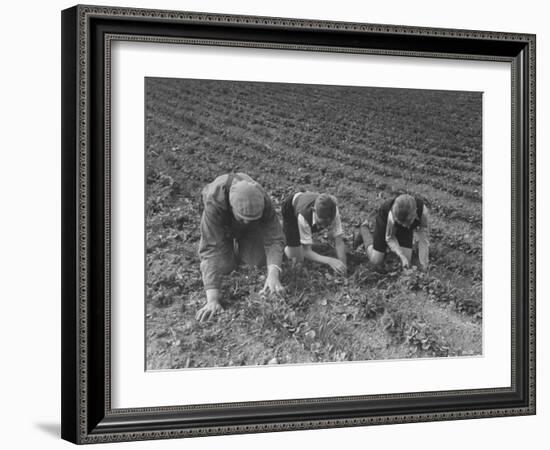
(296, 134)
(186, 119)
(410, 113)
(354, 143)
(440, 233)
(251, 148)
(460, 264)
(307, 177)
(351, 147)
(288, 104)
(437, 234)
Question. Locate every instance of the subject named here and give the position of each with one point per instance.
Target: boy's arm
(340, 247)
(337, 233)
(336, 264)
(306, 240)
(423, 234)
(274, 245)
(392, 241)
(310, 254)
(274, 242)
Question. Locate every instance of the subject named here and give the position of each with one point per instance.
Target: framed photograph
(275, 224)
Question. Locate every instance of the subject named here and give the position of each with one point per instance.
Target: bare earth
(361, 144)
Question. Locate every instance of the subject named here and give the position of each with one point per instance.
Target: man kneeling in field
(238, 226)
(395, 221)
(306, 213)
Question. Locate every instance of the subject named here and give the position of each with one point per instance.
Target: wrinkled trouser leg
(223, 264)
(250, 248)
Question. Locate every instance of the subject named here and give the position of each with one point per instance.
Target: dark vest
(385, 209)
(304, 205)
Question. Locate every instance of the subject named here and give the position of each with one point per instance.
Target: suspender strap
(228, 184)
(295, 199)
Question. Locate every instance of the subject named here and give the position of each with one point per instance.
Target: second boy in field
(392, 226)
(305, 213)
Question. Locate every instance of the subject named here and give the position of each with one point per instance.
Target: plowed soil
(363, 145)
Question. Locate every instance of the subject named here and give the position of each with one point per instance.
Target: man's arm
(423, 234)
(214, 247)
(274, 242)
(216, 255)
(212, 306)
(274, 245)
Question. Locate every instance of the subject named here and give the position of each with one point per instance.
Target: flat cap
(247, 200)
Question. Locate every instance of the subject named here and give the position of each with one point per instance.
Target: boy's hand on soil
(405, 263)
(338, 266)
(272, 286)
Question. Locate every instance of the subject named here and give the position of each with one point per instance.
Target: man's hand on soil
(212, 306)
(272, 285)
(208, 311)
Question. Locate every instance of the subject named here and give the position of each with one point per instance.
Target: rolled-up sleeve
(336, 227)
(391, 239)
(215, 248)
(273, 236)
(306, 237)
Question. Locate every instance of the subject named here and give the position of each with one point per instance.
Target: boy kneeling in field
(394, 224)
(306, 213)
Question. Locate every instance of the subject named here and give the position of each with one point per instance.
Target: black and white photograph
(275, 225)
(301, 223)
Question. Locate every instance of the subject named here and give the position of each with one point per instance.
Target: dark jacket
(219, 229)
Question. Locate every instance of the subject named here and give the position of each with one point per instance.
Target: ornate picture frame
(88, 33)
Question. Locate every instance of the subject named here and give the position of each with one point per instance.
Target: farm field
(363, 145)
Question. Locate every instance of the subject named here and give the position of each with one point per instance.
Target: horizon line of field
(329, 90)
(213, 106)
